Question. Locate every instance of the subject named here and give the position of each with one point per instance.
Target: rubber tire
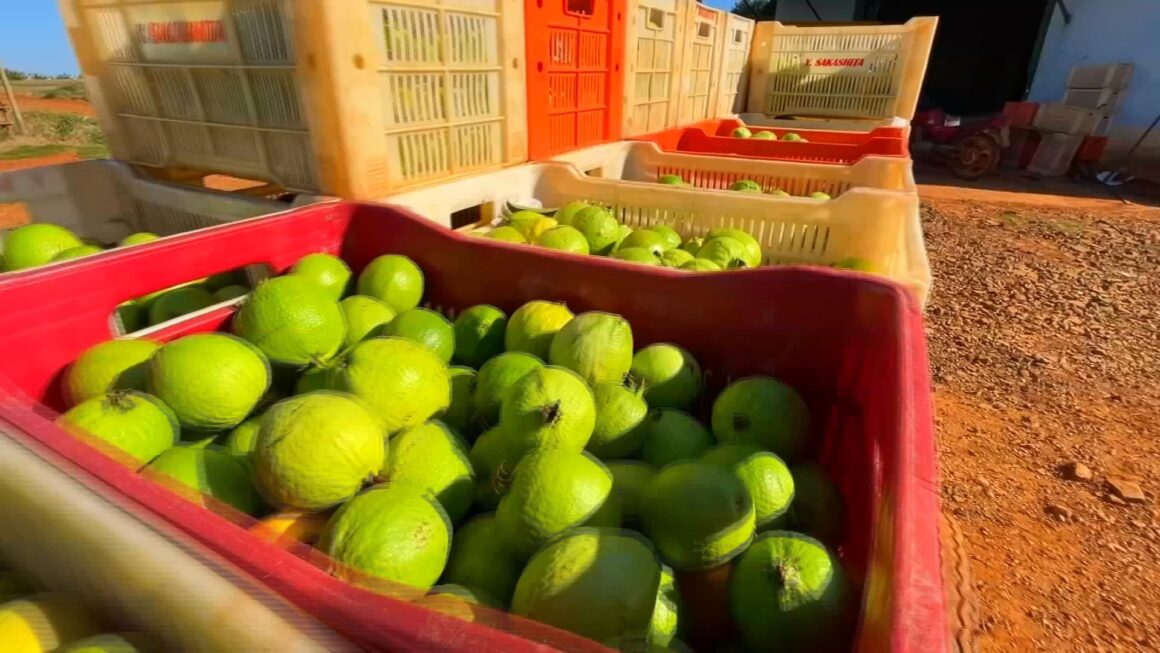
(959, 594)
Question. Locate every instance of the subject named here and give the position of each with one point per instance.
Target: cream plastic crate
(854, 72)
(104, 201)
(655, 34)
(644, 161)
(356, 98)
(762, 120)
(1113, 75)
(1066, 119)
(1055, 153)
(733, 69)
(700, 64)
(879, 226)
(1103, 100)
(65, 533)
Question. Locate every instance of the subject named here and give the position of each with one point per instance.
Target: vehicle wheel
(977, 155)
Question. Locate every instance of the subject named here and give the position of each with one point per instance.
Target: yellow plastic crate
(733, 70)
(700, 64)
(356, 98)
(879, 226)
(655, 33)
(644, 161)
(852, 72)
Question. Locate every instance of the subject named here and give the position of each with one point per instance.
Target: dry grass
(53, 133)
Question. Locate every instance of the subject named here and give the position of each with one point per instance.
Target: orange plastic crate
(575, 52)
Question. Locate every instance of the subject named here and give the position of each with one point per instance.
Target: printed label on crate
(823, 60)
(187, 33)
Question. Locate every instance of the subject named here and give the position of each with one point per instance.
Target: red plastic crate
(1020, 114)
(575, 51)
(852, 345)
(824, 146)
(1091, 149)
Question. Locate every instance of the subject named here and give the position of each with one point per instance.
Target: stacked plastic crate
(1076, 129)
(433, 108)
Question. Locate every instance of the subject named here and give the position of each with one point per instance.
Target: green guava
(244, 438)
(698, 515)
(507, 234)
(595, 345)
(549, 408)
(567, 212)
(746, 186)
(669, 374)
(36, 244)
(330, 273)
(460, 415)
(671, 180)
(111, 365)
(433, 457)
(763, 474)
(212, 381)
(565, 239)
(598, 227)
(636, 255)
(671, 435)
(648, 239)
(630, 478)
(403, 382)
(365, 318)
(479, 333)
(494, 458)
(394, 280)
(620, 422)
(178, 302)
(134, 422)
(426, 327)
(533, 325)
(480, 560)
(700, 265)
(741, 132)
(753, 255)
(76, 252)
(763, 411)
(495, 378)
(675, 258)
(294, 321)
(211, 472)
(765, 136)
(727, 253)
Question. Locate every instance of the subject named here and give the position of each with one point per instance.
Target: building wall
(834, 11)
(1108, 31)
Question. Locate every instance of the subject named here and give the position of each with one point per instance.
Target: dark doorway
(983, 49)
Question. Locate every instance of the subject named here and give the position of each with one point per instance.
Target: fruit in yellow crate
(793, 137)
(698, 515)
(433, 457)
(565, 239)
(242, 440)
(762, 410)
(566, 213)
(789, 593)
(210, 471)
(76, 252)
(481, 562)
(460, 415)
(508, 235)
(647, 239)
(819, 195)
(111, 365)
(533, 325)
(669, 376)
(394, 532)
(138, 238)
(753, 253)
(212, 381)
(291, 527)
(327, 271)
(700, 265)
(765, 136)
(741, 132)
(856, 263)
(595, 345)
(479, 333)
(36, 244)
(675, 258)
(522, 221)
(671, 435)
(777, 192)
(365, 318)
(394, 280)
(598, 583)
(107, 643)
(178, 302)
(765, 476)
(553, 491)
(292, 320)
(427, 328)
(43, 622)
(623, 233)
(620, 421)
(598, 227)
(671, 180)
(403, 382)
(537, 229)
(134, 422)
(746, 186)
(232, 291)
(728, 253)
(629, 480)
(548, 408)
(495, 379)
(316, 450)
(636, 255)
(494, 458)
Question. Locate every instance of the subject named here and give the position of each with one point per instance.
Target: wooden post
(11, 99)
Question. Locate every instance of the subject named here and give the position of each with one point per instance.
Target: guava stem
(118, 400)
(551, 412)
(787, 576)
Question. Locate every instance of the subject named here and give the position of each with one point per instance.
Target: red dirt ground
(58, 105)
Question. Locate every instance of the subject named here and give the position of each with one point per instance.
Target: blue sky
(32, 37)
